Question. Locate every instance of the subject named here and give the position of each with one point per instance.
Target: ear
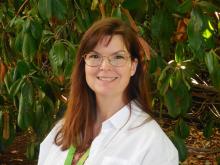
(134, 64)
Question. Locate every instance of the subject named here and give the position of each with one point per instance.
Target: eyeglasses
(94, 59)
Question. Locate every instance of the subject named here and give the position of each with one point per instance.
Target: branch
(203, 150)
(22, 6)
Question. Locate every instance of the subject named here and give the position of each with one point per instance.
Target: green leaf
(43, 116)
(94, 4)
(56, 56)
(116, 12)
(25, 113)
(216, 77)
(170, 102)
(152, 65)
(162, 25)
(18, 42)
(165, 47)
(176, 79)
(88, 20)
(39, 82)
(16, 86)
(69, 60)
(36, 29)
(183, 98)
(80, 24)
(171, 5)
(185, 7)
(182, 129)
(134, 5)
(28, 92)
(207, 6)
(30, 152)
(48, 105)
(164, 85)
(22, 119)
(194, 30)
(26, 26)
(59, 8)
(211, 61)
(22, 68)
(181, 147)
(208, 130)
(45, 9)
(29, 47)
(180, 52)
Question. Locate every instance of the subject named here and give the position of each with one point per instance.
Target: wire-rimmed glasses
(95, 59)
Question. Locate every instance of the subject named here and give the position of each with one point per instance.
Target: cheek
(90, 74)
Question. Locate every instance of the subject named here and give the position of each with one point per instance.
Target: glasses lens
(93, 59)
(118, 59)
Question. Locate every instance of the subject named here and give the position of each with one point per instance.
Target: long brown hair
(81, 112)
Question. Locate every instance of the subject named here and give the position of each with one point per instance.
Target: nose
(105, 64)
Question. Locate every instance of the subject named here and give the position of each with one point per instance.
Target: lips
(108, 79)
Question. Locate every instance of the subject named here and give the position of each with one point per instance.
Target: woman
(108, 119)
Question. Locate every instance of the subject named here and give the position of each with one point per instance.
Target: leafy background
(39, 40)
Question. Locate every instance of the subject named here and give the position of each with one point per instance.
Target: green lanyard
(71, 153)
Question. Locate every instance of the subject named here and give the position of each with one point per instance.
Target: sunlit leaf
(94, 4)
(207, 34)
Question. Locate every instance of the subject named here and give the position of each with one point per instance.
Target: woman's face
(107, 79)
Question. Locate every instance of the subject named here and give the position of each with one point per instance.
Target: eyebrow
(118, 51)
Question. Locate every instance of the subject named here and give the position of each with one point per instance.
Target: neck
(107, 106)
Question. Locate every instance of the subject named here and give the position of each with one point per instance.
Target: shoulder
(48, 143)
(154, 140)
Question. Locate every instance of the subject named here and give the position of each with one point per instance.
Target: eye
(93, 56)
(119, 56)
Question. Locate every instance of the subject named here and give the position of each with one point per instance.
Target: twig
(203, 150)
(19, 10)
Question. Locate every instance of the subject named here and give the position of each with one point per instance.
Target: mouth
(108, 79)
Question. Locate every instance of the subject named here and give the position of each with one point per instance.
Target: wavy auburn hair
(80, 116)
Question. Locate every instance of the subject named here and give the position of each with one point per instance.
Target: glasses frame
(108, 59)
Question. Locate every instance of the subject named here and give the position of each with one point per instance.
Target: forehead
(112, 43)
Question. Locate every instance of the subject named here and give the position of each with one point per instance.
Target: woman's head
(101, 33)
